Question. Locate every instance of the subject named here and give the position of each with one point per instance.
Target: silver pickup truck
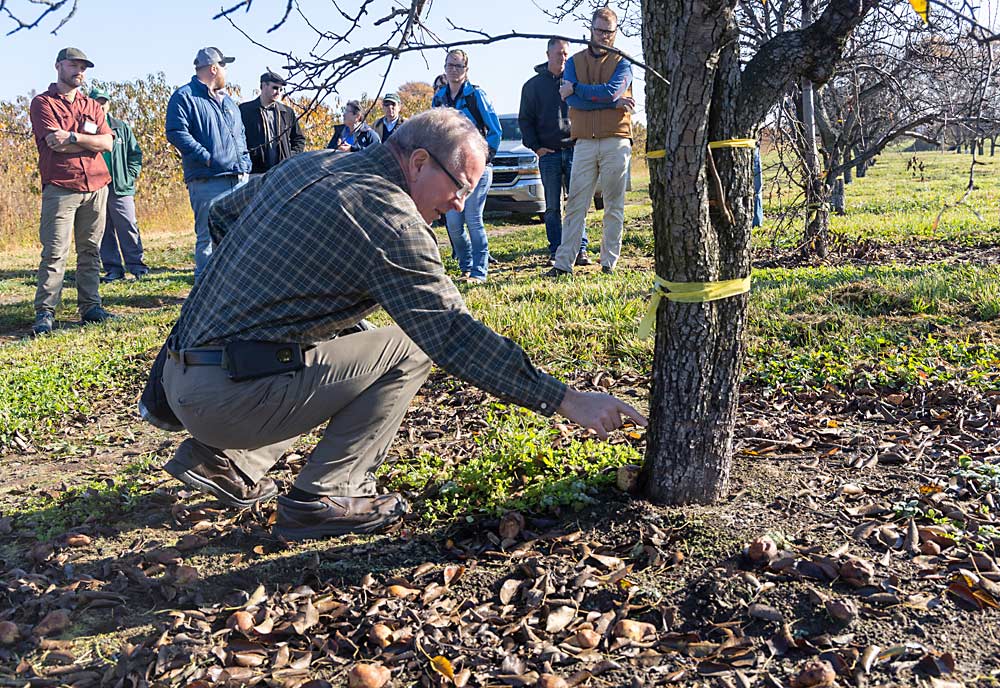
(517, 184)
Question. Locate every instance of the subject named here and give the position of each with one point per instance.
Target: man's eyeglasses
(603, 32)
(463, 189)
(452, 65)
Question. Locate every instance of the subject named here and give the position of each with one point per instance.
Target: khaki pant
(68, 215)
(362, 383)
(596, 160)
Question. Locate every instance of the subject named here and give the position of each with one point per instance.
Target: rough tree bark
(699, 347)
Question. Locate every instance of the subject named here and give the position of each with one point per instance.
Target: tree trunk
(699, 346)
(817, 226)
(837, 197)
(817, 235)
(993, 145)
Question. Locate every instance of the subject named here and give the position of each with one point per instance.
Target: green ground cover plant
(520, 467)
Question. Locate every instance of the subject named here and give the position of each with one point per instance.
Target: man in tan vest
(597, 85)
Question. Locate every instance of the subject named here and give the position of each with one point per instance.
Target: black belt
(198, 356)
(218, 176)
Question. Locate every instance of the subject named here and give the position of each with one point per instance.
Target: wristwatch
(72, 137)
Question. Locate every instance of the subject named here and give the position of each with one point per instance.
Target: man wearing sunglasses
(597, 86)
(260, 356)
(272, 129)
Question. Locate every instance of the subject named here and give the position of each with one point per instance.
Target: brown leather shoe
(204, 468)
(337, 515)
(582, 258)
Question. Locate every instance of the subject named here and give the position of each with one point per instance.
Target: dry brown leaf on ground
(53, 623)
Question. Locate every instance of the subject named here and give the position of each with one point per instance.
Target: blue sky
(127, 39)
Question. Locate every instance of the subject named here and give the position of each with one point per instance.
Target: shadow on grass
(17, 318)
(26, 277)
(499, 218)
(817, 279)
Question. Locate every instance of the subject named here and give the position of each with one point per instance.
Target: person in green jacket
(121, 245)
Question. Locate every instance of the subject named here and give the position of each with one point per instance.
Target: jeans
(556, 169)
(596, 161)
(472, 248)
(121, 239)
(66, 216)
(202, 192)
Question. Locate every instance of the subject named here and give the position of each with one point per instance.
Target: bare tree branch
(50, 6)
(810, 53)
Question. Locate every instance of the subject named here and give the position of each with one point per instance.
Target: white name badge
(89, 127)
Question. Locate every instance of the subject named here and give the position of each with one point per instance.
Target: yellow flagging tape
(921, 7)
(728, 143)
(688, 292)
(734, 143)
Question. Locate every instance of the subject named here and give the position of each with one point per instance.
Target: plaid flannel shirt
(323, 240)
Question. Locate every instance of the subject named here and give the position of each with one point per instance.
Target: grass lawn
(865, 453)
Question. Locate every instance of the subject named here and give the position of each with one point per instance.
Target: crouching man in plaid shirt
(309, 250)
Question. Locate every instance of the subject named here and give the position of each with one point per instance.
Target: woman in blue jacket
(353, 135)
(471, 247)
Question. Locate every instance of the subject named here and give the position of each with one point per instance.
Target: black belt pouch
(251, 360)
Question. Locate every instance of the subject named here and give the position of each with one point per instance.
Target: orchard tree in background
(898, 76)
(416, 97)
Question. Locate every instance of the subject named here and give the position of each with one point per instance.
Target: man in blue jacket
(471, 249)
(204, 125)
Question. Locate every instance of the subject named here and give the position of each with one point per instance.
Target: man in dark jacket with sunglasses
(272, 129)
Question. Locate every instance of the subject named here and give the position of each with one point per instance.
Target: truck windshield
(511, 131)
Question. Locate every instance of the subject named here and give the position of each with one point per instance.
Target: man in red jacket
(71, 133)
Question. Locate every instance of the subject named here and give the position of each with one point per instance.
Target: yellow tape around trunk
(688, 292)
(734, 143)
(728, 143)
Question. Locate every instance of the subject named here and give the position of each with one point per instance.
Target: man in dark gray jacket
(272, 129)
(544, 121)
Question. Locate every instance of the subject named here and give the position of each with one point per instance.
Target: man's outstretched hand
(600, 412)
